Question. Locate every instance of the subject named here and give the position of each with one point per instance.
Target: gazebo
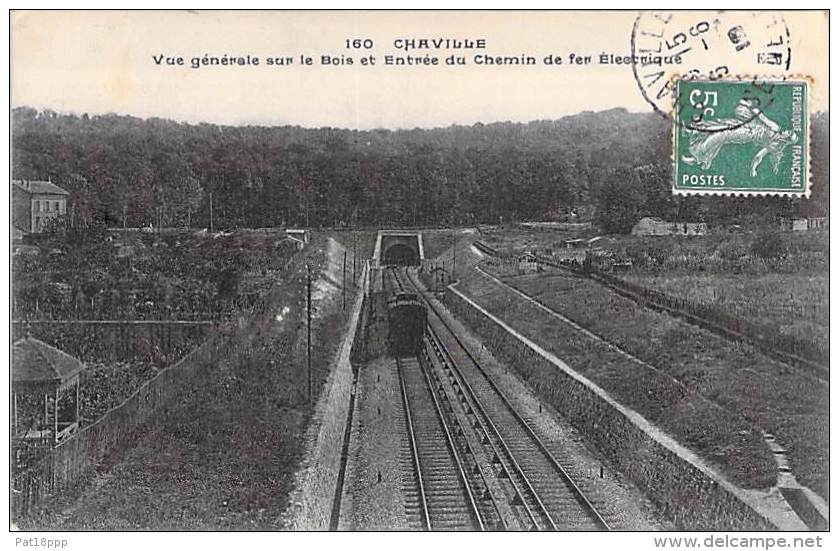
(45, 392)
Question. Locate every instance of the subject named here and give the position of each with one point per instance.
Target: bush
(768, 245)
(731, 250)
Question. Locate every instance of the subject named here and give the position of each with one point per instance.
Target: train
(406, 312)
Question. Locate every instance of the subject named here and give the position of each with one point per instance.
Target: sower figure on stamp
(749, 126)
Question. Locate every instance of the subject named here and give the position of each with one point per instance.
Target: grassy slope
(511, 240)
(225, 458)
(725, 439)
(363, 240)
(793, 304)
(769, 394)
(789, 293)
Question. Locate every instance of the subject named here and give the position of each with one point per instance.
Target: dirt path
(373, 497)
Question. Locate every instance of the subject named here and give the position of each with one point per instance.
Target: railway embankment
(319, 479)
(687, 492)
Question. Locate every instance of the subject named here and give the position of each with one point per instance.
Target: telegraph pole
(344, 284)
(309, 332)
(211, 212)
(354, 238)
(454, 252)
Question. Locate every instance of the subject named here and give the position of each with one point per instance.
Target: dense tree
(157, 171)
(619, 201)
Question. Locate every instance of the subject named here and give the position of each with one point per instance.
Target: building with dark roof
(35, 203)
(45, 391)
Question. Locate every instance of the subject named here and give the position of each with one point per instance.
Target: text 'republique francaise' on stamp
(741, 137)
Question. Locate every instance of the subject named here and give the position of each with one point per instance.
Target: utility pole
(124, 213)
(309, 332)
(211, 212)
(454, 252)
(354, 239)
(344, 284)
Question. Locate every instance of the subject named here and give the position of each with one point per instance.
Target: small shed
(527, 263)
(817, 223)
(298, 234)
(577, 243)
(45, 392)
(650, 225)
(803, 224)
(599, 242)
(18, 235)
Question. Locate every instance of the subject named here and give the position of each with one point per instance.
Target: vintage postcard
(420, 271)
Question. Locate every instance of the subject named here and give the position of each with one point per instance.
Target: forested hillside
(611, 167)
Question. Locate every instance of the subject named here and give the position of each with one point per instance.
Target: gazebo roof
(35, 361)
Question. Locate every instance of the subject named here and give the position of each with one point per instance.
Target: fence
(805, 354)
(808, 355)
(108, 340)
(632, 446)
(64, 466)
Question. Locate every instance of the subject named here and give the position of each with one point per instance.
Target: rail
(499, 442)
(424, 517)
(576, 491)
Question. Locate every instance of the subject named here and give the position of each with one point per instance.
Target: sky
(104, 62)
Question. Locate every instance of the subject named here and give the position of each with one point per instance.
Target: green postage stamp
(741, 138)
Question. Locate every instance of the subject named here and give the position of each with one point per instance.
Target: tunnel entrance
(398, 248)
(400, 254)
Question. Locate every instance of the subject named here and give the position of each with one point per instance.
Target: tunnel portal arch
(398, 248)
(401, 254)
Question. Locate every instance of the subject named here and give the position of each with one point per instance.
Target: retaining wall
(685, 493)
(807, 354)
(318, 479)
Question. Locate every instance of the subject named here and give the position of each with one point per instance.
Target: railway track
(446, 488)
(442, 496)
(391, 281)
(544, 495)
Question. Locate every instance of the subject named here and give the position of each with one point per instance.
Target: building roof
(40, 186)
(18, 234)
(34, 361)
(655, 219)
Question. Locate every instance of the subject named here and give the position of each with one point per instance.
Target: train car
(406, 315)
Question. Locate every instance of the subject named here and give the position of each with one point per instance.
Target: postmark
(708, 45)
(741, 137)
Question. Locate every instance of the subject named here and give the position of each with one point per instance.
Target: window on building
(56, 207)
(37, 206)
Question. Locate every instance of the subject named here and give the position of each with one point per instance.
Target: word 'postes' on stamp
(741, 137)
